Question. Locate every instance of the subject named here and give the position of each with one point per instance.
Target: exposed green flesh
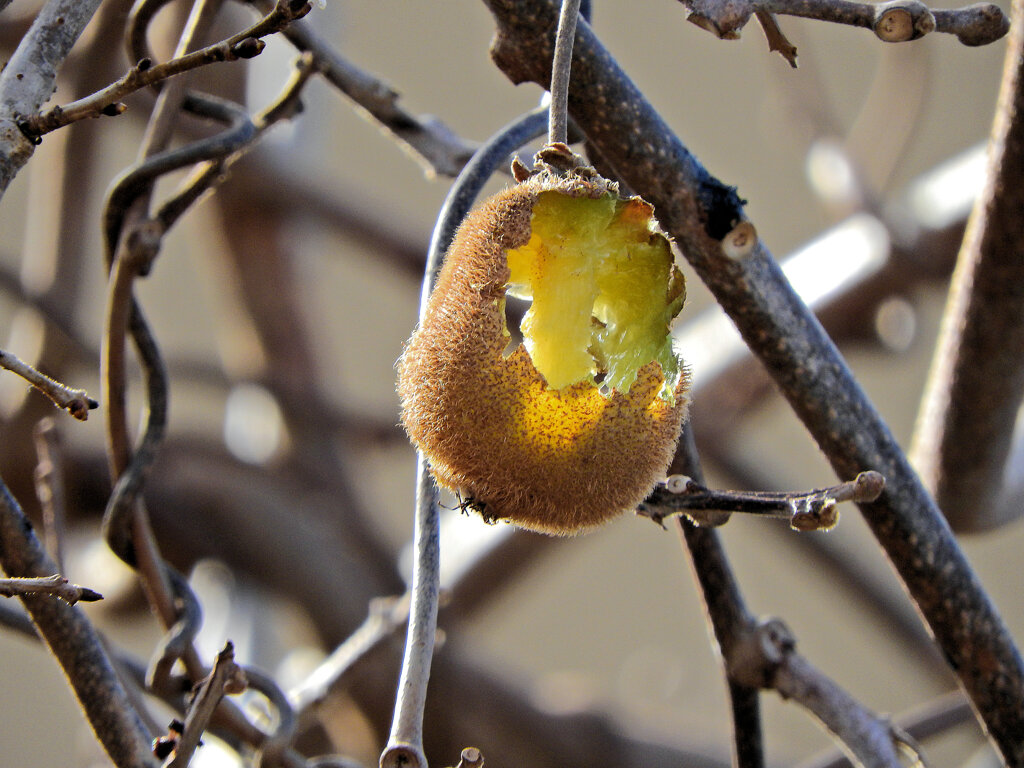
(604, 288)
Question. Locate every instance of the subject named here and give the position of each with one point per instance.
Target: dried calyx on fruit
(576, 424)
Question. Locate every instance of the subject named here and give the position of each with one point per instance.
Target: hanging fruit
(578, 422)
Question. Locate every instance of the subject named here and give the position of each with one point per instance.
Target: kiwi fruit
(576, 424)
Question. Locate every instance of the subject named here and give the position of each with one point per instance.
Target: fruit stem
(561, 63)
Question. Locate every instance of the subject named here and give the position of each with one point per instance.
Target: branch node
(901, 20)
(867, 486)
(471, 758)
(296, 9)
(143, 245)
(722, 19)
(28, 131)
(402, 755)
(814, 514)
(740, 241)
(249, 48)
(760, 651)
(678, 483)
(113, 110)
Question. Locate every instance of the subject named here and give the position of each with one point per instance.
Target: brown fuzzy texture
(558, 462)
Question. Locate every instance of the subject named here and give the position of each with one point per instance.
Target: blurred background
(282, 301)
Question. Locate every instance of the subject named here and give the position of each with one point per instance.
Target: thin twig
(726, 611)
(561, 65)
(774, 662)
(75, 401)
(226, 677)
(699, 212)
(49, 477)
(274, 747)
(243, 45)
(438, 150)
(976, 384)
(385, 618)
(806, 510)
(208, 173)
(55, 585)
(937, 716)
(176, 644)
(405, 743)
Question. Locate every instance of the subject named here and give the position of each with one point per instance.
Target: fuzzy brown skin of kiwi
(463, 401)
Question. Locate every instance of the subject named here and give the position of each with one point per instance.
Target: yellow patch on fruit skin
(558, 459)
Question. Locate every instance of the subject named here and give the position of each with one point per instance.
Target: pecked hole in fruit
(603, 289)
(515, 309)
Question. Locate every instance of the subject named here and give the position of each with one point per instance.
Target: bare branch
(405, 744)
(30, 76)
(698, 210)
(210, 172)
(386, 616)
(225, 678)
(767, 656)
(762, 655)
(75, 644)
(934, 717)
(726, 612)
(976, 384)
(243, 45)
(428, 140)
(895, 21)
(75, 401)
(777, 41)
